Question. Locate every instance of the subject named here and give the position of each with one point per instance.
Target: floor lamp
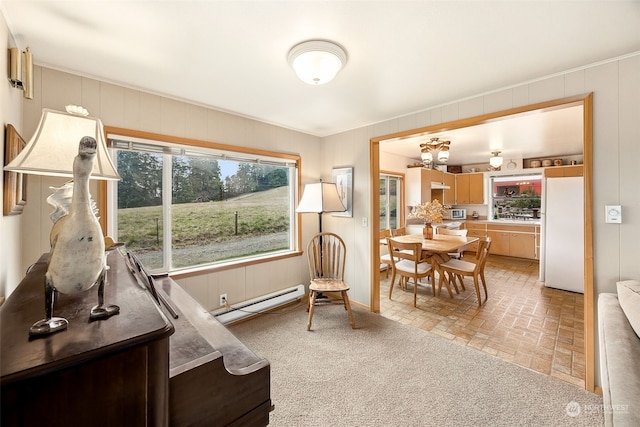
(320, 197)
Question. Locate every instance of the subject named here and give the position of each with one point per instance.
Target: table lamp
(70, 144)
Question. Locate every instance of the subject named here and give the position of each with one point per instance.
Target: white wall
(11, 271)
(127, 108)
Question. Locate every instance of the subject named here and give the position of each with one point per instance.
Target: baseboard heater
(258, 305)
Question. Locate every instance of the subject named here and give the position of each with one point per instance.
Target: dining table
(436, 250)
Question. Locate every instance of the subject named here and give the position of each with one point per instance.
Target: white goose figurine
(77, 259)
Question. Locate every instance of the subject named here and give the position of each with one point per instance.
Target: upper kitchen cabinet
(424, 185)
(449, 194)
(417, 186)
(469, 189)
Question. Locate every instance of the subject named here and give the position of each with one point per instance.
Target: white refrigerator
(562, 256)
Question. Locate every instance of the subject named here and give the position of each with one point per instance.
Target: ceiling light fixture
(496, 160)
(317, 62)
(442, 147)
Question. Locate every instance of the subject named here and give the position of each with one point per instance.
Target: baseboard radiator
(258, 305)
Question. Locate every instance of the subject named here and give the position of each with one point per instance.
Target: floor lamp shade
(320, 197)
(54, 146)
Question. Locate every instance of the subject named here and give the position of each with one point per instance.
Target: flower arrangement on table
(431, 212)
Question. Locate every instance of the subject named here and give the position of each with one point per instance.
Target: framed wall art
(343, 178)
(15, 184)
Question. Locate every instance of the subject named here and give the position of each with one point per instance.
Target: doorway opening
(586, 102)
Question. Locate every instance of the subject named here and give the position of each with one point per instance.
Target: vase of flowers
(431, 212)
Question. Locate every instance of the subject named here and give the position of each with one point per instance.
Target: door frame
(586, 101)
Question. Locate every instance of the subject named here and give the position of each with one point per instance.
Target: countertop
(504, 221)
(478, 221)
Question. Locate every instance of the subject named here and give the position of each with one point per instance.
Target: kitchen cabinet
(516, 240)
(449, 195)
(469, 189)
(436, 175)
(419, 182)
(522, 245)
(417, 186)
(564, 171)
(499, 242)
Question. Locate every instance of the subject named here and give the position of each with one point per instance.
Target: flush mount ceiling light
(442, 147)
(317, 62)
(496, 160)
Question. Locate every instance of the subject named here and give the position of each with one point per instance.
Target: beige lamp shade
(54, 146)
(320, 197)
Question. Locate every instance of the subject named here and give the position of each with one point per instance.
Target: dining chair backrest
(483, 251)
(399, 231)
(411, 251)
(448, 232)
(451, 237)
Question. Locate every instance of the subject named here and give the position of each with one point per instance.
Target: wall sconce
(317, 62)
(21, 71)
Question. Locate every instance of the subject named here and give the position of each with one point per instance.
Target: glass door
(390, 201)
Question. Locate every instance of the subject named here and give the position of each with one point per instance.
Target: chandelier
(434, 145)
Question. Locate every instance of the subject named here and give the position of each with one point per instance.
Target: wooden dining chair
(326, 253)
(447, 232)
(457, 269)
(401, 231)
(407, 263)
(385, 258)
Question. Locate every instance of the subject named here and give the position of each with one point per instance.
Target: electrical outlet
(223, 300)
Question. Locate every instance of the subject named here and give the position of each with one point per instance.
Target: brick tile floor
(522, 322)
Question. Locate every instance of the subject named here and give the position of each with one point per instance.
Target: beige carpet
(387, 374)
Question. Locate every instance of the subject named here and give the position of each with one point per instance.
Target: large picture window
(182, 206)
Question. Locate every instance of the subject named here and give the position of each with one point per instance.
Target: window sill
(214, 268)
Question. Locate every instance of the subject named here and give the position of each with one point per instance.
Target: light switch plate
(613, 214)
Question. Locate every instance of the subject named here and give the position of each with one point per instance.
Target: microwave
(457, 214)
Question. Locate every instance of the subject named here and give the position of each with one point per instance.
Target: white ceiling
(553, 133)
(403, 56)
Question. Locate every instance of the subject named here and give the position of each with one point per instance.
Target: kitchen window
(181, 206)
(516, 197)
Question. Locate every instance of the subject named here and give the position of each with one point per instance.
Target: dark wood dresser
(138, 368)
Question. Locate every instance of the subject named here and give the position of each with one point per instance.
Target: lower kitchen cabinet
(499, 242)
(516, 240)
(522, 245)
